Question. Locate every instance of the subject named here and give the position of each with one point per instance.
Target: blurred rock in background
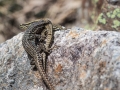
(80, 13)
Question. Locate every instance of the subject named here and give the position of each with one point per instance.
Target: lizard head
(36, 23)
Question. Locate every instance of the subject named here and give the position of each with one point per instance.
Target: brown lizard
(39, 37)
(48, 33)
(30, 44)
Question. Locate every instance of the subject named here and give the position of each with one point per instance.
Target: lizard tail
(38, 62)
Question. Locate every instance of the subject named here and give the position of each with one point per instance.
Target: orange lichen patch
(107, 89)
(37, 74)
(73, 34)
(84, 67)
(102, 64)
(103, 42)
(59, 68)
(83, 75)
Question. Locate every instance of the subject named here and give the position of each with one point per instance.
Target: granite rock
(82, 60)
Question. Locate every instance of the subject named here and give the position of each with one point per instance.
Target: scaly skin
(30, 43)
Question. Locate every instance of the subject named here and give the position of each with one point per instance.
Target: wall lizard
(29, 43)
(33, 42)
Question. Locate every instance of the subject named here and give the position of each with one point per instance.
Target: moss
(117, 12)
(113, 14)
(101, 19)
(108, 14)
(116, 24)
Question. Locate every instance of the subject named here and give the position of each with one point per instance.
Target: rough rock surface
(83, 60)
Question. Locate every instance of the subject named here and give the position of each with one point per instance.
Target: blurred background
(69, 13)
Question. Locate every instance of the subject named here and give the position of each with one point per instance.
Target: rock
(82, 60)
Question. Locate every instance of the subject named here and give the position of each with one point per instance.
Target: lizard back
(32, 33)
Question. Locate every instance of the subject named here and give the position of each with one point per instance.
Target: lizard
(50, 28)
(30, 45)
